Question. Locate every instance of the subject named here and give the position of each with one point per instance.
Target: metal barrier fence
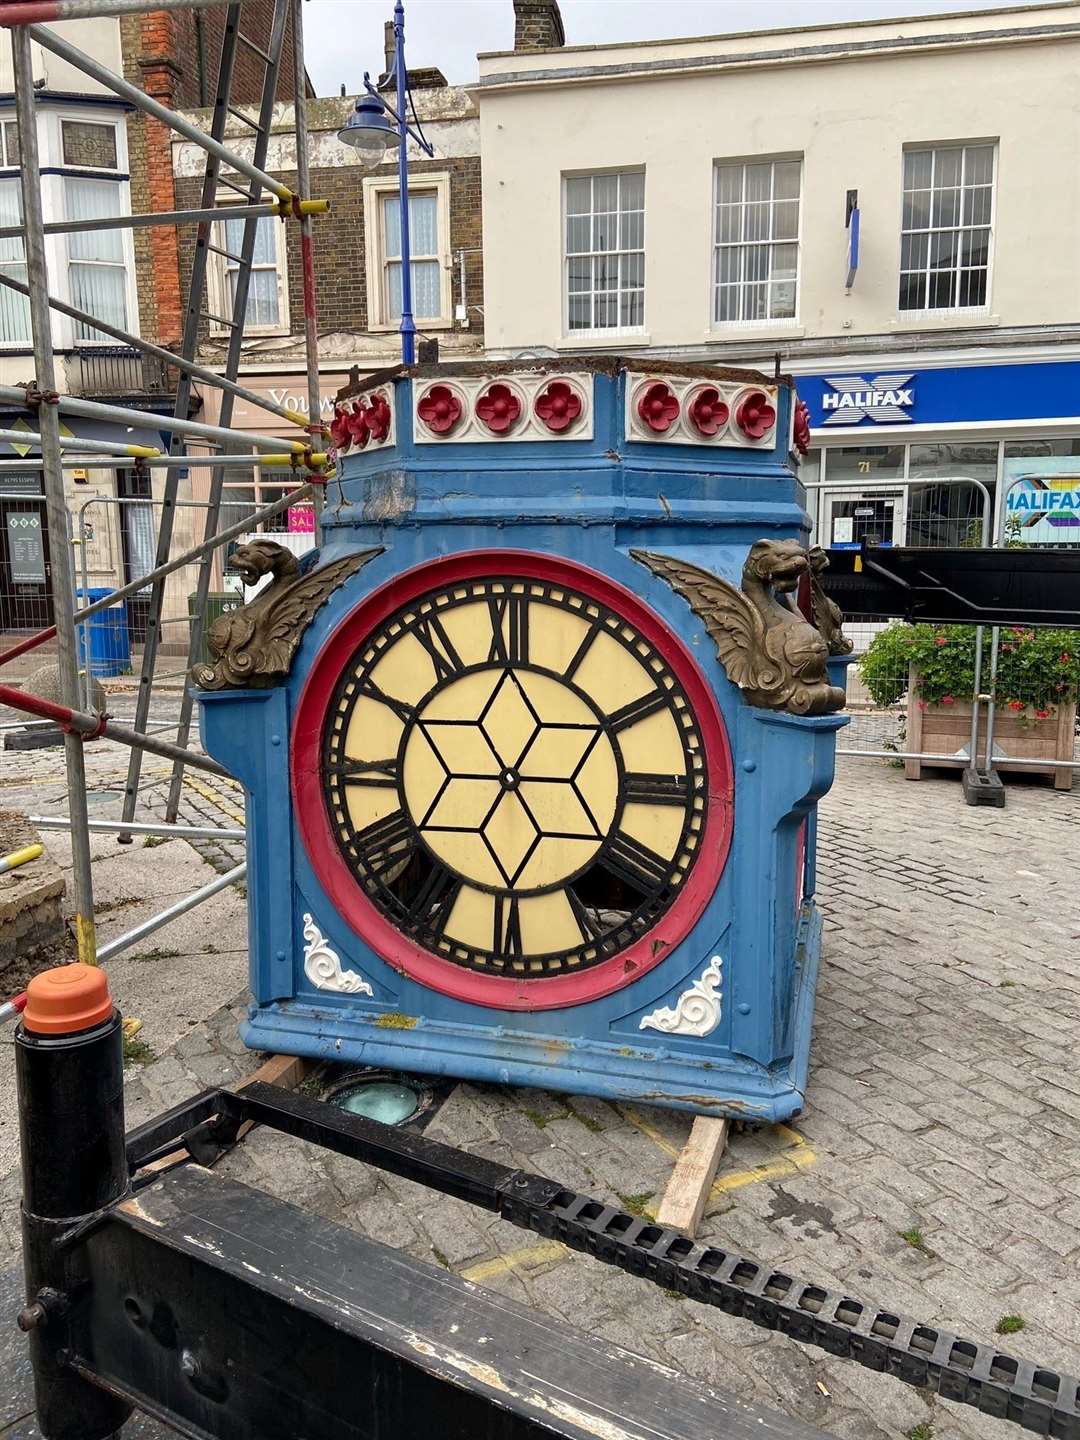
(949, 696)
(112, 541)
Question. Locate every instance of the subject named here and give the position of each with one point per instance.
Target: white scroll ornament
(697, 1010)
(322, 966)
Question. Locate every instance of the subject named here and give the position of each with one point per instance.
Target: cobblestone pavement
(936, 1169)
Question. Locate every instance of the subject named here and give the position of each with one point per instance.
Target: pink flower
(377, 415)
(658, 407)
(802, 427)
(947, 700)
(1016, 705)
(1017, 629)
(922, 704)
(940, 640)
(1066, 658)
(440, 409)
(498, 407)
(708, 412)
(755, 416)
(558, 406)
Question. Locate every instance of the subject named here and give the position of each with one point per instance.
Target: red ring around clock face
(460, 775)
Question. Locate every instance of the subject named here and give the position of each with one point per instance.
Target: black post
(71, 1117)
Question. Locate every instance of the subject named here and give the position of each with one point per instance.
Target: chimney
(388, 46)
(538, 25)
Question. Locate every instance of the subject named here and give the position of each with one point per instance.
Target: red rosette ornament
(440, 409)
(557, 406)
(755, 416)
(708, 411)
(802, 427)
(377, 416)
(658, 407)
(498, 408)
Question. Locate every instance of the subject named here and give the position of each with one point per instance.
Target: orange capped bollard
(69, 1069)
(67, 1000)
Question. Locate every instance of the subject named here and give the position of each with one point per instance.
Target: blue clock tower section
(592, 463)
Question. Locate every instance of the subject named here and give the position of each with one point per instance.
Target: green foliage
(1009, 1324)
(922, 1431)
(914, 1238)
(1037, 669)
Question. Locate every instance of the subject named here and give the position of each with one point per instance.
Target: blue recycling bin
(105, 635)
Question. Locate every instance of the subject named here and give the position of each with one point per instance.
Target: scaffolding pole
(233, 357)
(95, 410)
(89, 447)
(223, 537)
(32, 12)
(276, 208)
(139, 98)
(37, 274)
(169, 357)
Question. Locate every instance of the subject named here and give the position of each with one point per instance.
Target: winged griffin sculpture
(777, 659)
(253, 647)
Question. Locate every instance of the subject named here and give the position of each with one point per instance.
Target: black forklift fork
(153, 1282)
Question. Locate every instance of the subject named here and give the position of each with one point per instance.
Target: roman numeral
(382, 773)
(435, 899)
(582, 650)
(644, 789)
(385, 843)
(588, 923)
(636, 710)
(369, 689)
(431, 634)
(635, 863)
(507, 926)
(513, 647)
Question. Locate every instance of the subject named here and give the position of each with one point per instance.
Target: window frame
(602, 333)
(929, 313)
(12, 178)
(376, 189)
(55, 171)
(781, 322)
(218, 276)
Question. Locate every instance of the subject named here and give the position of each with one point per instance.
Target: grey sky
(344, 37)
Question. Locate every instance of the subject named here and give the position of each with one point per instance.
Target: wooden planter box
(945, 729)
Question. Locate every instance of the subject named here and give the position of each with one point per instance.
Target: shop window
(97, 271)
(948, 203)
(1033, 471)
(267, 309)
(864, 464)
(429, 251)
(241, 498)
(604, 252)
(756, 241)
(14, 308)
(955, 506)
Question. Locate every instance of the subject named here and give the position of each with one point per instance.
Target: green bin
(218, 602)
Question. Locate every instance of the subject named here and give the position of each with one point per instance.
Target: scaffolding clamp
(36, 397)
(294, 206)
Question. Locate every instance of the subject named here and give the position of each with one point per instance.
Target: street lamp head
(369, 131)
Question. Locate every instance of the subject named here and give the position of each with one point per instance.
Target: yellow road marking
(214, 798)
(516, 1260)
(796, 1158)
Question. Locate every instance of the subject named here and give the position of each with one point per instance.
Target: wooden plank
(688, 1189)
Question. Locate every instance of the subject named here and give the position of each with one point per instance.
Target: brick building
(357, 256)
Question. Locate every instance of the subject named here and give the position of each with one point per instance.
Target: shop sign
(851, 398)
(26, 552)
(301, 519)
(1043, 508)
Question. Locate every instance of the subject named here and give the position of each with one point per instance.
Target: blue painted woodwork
(590, 501)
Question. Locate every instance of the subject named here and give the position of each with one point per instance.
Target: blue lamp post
(372, 130)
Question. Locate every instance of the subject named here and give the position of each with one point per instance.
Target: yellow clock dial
(515, 777)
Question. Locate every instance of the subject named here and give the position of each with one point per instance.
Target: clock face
(515, 775)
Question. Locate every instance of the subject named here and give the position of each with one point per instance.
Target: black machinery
(153, 1282)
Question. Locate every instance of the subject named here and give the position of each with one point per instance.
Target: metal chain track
(1037, 1399)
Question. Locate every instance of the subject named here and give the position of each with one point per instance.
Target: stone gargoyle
(253, 647)
(777, 659)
